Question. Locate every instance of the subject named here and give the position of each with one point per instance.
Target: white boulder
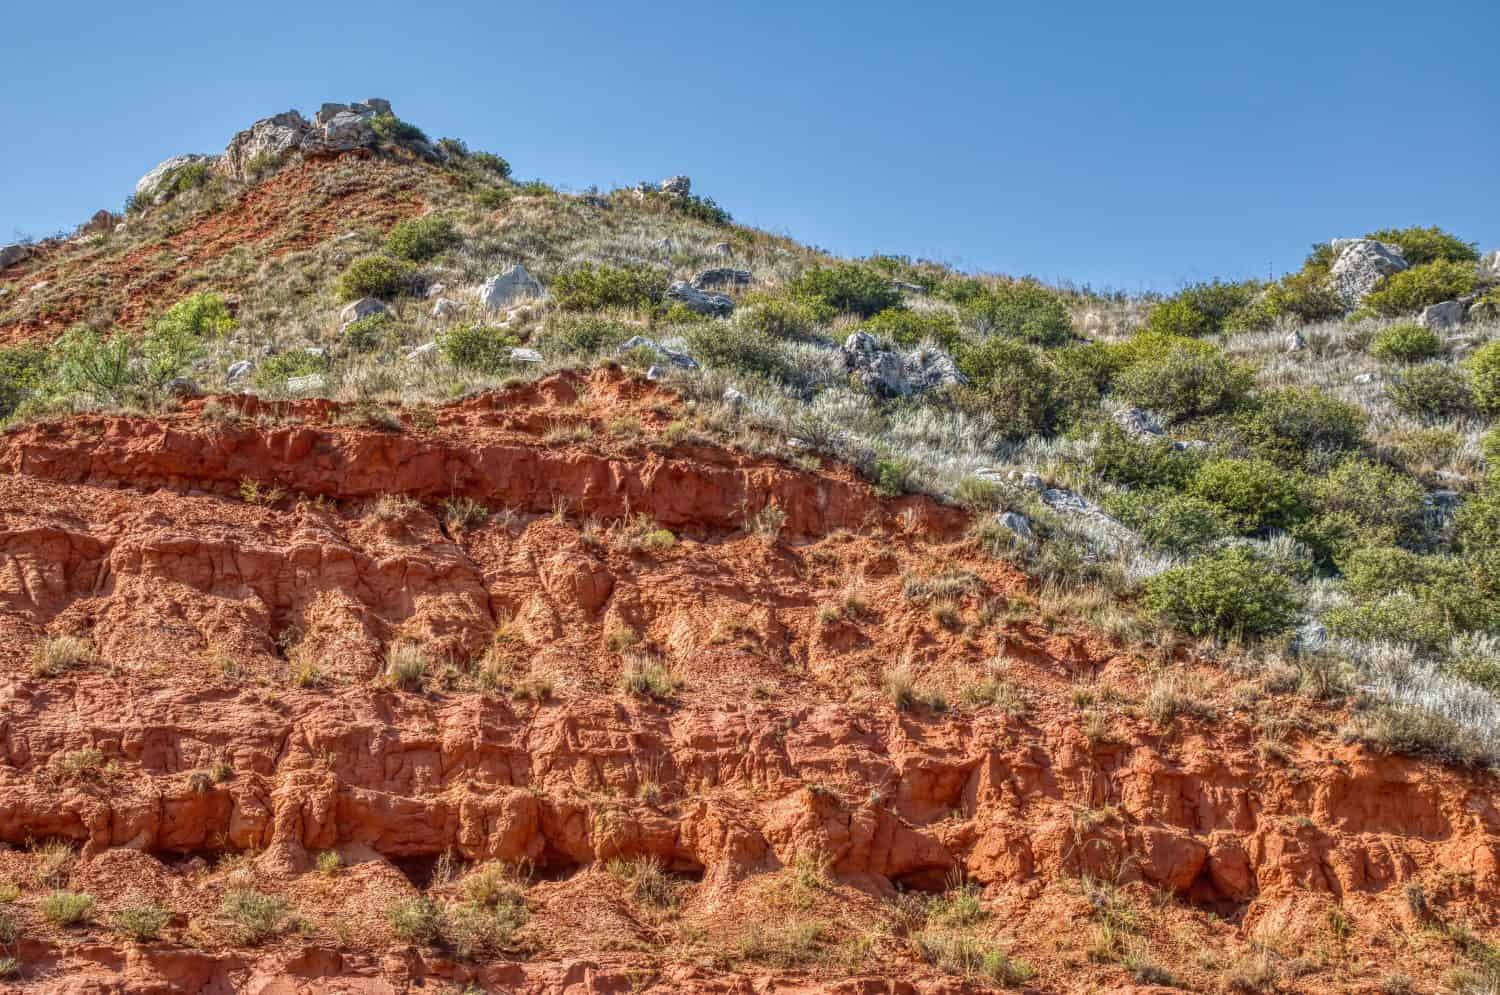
(1361, 264)
(1443, 316)
(507, 289)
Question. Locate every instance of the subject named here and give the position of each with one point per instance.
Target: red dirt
(301, 205)
(778, 752)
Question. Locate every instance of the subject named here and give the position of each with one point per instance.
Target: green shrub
(702, 209)
(67, 908)
(415, 920)
(1413, 289)
(142, 920)
(909, 328)
(276, 370)
(1011, 382)
(596, 288)
(1484, 377)
(890, 476)
(492, 163)
(1386, 505)
(1185, 379)
(23, 370)
(1024, 310)
(1407, 342)
(1426, 245)
(1303, 426)
(586, 334)
(419, 239)
(1477, 536)
(1183, 524)
(1201, 309)
(203, 315)
(1305, 296)
(369, 334)
(1122, 459)
(483, 348)
(377, 276)
(392, 129)
(1404, 597)
(852, 288)
(1434, 391)
(1231, 593)
(781, 317)
(88, 363)
(737, 348)
(1256, 494)
(253, 916)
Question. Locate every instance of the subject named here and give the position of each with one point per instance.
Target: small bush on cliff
(1226, 594)
(67, 908)
(415, 920)
(1256, 494)
(648, 677)
(253, 916)
(1431, 391)
(482, 348)
(406, 666)
(58, 654)
(142, 919)
(1407, 342)
(393, 129)
(1426, 245)
(1023, 309)
(1183, 379)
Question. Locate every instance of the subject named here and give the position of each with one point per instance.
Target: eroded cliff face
(243, 572)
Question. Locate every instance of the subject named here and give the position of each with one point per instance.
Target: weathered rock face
(365, 307)
(10, 255)
(1489, 266)
(1444, 316)
(897, 374)
(713, 305)
(1361, 264)
(507, 289)
(148, 187)
(269, 138)
(721, 277)
(677, 186)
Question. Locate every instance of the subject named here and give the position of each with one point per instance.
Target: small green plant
(910, 328)
(1021, 309)
(1484, 377)
(461, 513)
(1184, 378)
(852, 288)
(1413, 289)
(420, 239)
(67, 908)
(276, 370)
(392, 129)
(253, 916)
(379, 276)
(415, 920)
(1303, 427)
(1407, 342)
(330, 863)
(1426, 245)
(482, 348)
(1255, 494)
(142, 919)
(370, 334)
(1433, 391)
(55, 655)
(1202, 309)
(1229, 593)
(647, 676)
(890, 476)
(597, 288)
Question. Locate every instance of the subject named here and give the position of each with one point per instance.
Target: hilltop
(421, 578)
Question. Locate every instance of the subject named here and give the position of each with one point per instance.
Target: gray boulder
(1311, 637)
(507, 289)
(894, 374)
(1361, 264)
(714, 305)
(444, 308)
(1137, 422)
(181, 387)
(525, 356)
(1294, 342)
(1443, 316)
(677, 186)
(726, 249)
(148, 187)
(679, 359)
(1364, 379)
(239, 370)
(365, 307)
(1489, 266)
(1016, 523)
(309, 384)
(268, 137)
(721, 276)
(424, 351)
(347, 131)
(734, 397)
(10, 255)
(913, 289)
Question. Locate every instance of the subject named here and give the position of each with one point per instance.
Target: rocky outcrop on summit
(151, 186)
(268, 138)
(1361, 264)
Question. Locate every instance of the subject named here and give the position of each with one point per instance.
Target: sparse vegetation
(55, 655)
(142, 919)
(252, 916)
(67, 908)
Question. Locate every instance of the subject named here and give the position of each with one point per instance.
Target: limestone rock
(10, 255)
(677, 186)
(680, 359)
(239, 370)
(1016, 523)
(525, 356)
(365, 307)
(507, 289)
(1361, 264)
(269, 137)
(1294, 342)
(148, 186)
(309, 384)
(721, 276)
(714, 305)
(1442, 316)
(427, 350)
(898, 374)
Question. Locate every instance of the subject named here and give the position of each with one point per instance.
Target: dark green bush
(1434, 391)
(703, 209)
(203, 315)
(908, 328)
(1183, 524)
(1303, 426)
(1255, 494)
(1010, 381)
(1405, 597)
(1484, 377)
(483, 348)
(1231, 593)
(392, 129)
(491, 162)
(1426, 245)
(1407, 342)
(23, 368)
(369, 334)
(852, 288)
(890, 475)
(1122, 459)
(1176, 316)
(596, 288)
(1023, 309)
(1186, 379)
(736, 348)
(1413, 289)
(587, 334)
(1477, 536)
(419, 239)
(377, 276)
(1304, 296)
(277, 369)
(1387, 505)
(781, 317)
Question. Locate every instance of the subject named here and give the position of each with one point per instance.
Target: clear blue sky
(1134, 146)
